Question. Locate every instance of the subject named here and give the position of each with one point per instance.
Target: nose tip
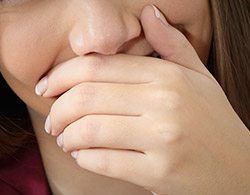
(102, 37)
(101, 43)
(106, 43)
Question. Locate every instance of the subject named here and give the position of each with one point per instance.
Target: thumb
(169, 42)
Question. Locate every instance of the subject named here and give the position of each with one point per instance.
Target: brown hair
(228, 62)
(15, 124)
(230, 55)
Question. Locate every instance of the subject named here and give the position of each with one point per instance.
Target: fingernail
(47, 125)
(159, 15)
(42, 86)
(59, 140)
(74, 154)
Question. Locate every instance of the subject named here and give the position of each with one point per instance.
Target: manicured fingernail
(59, 140)
(42, 86)
(159, 15)
(74, 154)
(47, 125)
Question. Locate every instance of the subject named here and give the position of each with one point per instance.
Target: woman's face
(36, 35)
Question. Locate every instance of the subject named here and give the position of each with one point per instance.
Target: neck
(65, 177)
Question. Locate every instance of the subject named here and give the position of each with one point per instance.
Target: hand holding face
(162, 124)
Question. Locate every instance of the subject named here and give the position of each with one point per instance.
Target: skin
(156, 119)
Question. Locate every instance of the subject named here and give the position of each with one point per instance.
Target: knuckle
(166, 98)
(170, 135)
(85, 93)
(87, 135)
(103, 164)
(113, 166)
(178, 74)
(175, 148)
(93, 66)
(164, 172)
(90, 129)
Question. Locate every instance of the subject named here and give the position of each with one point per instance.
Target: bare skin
(52, 35)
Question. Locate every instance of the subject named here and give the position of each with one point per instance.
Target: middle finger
(97, 98)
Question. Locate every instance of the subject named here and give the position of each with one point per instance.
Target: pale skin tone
(133, 124)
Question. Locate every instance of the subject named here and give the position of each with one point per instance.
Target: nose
(103, 27)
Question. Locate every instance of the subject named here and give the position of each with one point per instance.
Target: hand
(164, 124)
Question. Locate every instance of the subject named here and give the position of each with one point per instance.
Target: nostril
(155, 54)
(91, 53)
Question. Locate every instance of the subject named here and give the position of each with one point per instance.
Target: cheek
(194, 18)
(184, 12)
(29, 44)
(24, 59)
(28, 49)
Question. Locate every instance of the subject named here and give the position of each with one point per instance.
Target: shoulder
(7, 188)
(23, 173)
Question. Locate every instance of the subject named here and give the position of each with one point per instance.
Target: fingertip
(74, 154)
(147, 12)
(59, 140)
(159, 15)
(41, 86)
(151, 12)
(47, 126)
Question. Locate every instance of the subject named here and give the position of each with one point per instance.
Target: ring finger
(105, 131)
